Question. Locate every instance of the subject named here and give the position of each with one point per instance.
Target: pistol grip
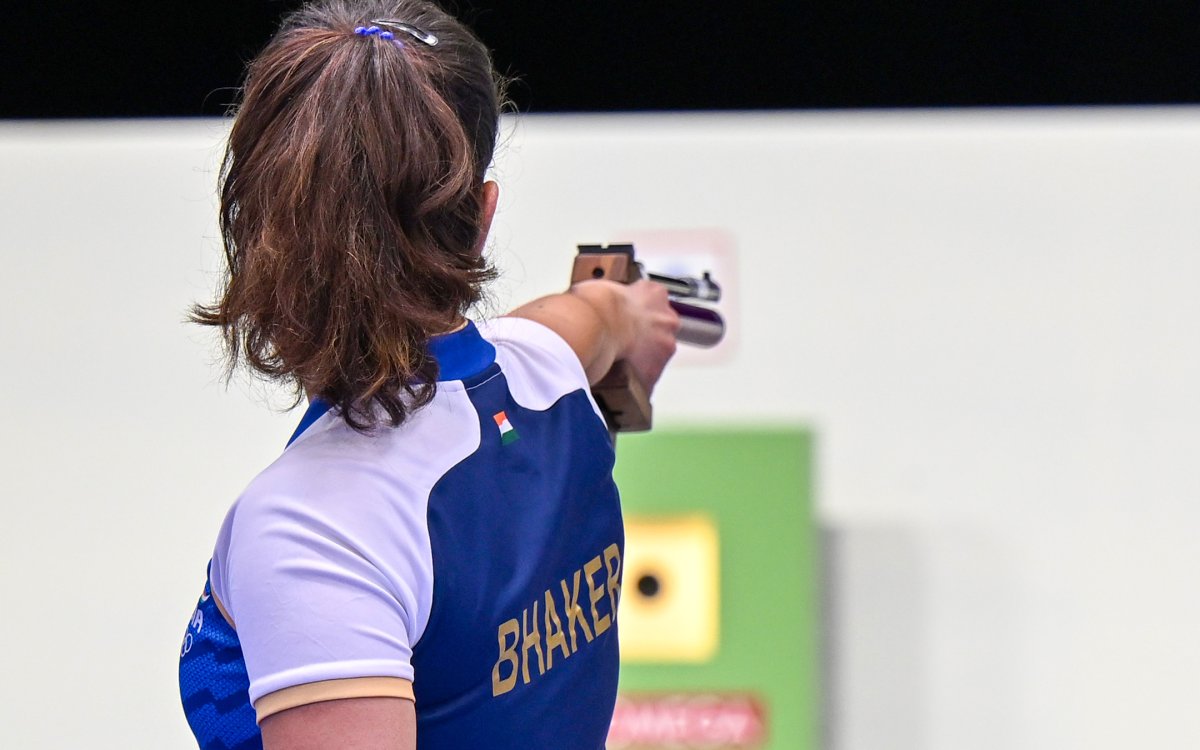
(623, 400)
(622, 397)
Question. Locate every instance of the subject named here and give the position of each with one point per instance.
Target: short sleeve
(327, 596)
(537, 346)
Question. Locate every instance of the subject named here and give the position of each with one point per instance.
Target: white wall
(989, 317)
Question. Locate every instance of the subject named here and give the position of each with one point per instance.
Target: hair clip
(419, 34)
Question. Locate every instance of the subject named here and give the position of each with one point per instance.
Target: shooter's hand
(603, 322)
(653, 341)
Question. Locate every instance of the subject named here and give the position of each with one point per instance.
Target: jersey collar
(459, 355)
(462, 354)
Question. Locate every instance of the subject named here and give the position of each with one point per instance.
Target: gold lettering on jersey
(575, 613)
(531, 639)
(612, 563)
(555, 638)
(590, 570)
(516, 638)
(508, 653)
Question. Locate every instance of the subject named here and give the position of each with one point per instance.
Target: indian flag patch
(507, 433)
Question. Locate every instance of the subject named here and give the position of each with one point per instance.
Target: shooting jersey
(469, 560)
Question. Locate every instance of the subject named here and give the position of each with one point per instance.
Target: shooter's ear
(491, 197)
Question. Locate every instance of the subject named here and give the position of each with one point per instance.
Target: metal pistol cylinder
(699, 325)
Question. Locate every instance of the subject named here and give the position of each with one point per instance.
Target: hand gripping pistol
(623, 399)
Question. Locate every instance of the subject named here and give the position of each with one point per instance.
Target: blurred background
(937, 490)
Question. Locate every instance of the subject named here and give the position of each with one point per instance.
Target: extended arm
(603, 322)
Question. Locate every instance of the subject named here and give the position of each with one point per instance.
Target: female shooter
(437, 553)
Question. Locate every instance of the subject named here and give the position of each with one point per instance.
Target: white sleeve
(537, 347)
(332, 590)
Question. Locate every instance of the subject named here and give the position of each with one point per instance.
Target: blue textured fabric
(213, 682)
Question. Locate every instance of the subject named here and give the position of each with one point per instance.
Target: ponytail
(351, 204)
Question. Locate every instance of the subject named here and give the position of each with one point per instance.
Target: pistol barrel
(689, 287)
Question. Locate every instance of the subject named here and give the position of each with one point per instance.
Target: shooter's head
(353, 202)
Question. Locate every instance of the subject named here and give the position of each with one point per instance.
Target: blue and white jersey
(469, 560)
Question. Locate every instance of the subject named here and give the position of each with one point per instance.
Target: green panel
(757, 485)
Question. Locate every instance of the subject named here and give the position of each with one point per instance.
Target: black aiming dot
(597, 273)
(648, 585)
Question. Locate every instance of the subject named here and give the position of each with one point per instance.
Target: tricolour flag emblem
(507, 433)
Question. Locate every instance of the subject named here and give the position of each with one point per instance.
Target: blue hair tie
(389, 36)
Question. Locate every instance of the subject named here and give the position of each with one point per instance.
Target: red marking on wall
(694, 721)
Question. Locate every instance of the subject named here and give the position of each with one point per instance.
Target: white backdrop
(990, 318)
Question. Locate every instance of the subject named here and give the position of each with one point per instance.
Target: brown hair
(351, 203)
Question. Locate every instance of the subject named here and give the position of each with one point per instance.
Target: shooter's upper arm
(592, 318)
(366, 723)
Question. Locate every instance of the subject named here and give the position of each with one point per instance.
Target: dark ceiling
(174, 58)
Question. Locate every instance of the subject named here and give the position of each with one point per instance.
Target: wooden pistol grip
(622, 397)
(623, 400)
